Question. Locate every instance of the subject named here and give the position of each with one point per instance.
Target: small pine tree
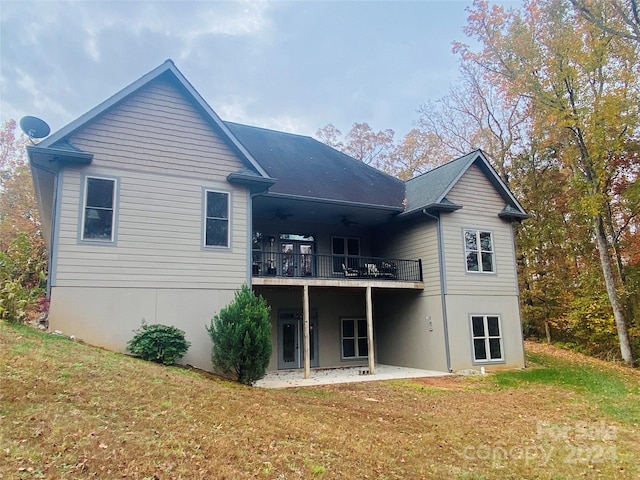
(241, 336)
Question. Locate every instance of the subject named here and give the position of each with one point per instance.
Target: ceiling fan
(345, 222)
(281, 215)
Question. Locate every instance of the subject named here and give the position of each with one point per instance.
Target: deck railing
(301, 265)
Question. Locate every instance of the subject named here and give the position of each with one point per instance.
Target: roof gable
(429, 190)
(170, 71)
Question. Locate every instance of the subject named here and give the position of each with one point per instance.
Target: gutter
(443, 289)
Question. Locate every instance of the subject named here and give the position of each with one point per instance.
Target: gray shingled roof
(305, 167)
(429, 190)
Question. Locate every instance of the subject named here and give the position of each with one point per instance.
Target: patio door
(290, 335)
(297, 259)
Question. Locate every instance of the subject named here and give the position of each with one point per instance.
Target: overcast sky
(291, 66)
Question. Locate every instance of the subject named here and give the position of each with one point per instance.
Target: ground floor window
(354, 338)
(487, 338)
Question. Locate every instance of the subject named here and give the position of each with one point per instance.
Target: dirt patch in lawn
(444, 383)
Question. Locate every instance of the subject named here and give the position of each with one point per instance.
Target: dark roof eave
(434, 207)
(514, 215)
(254, 182)
(60, 154)
(331, 201)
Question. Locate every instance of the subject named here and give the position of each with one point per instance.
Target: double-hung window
(345, 253)
(487, 338)
(354, 338)
(98, 209)
(478, 249)
(216, 221)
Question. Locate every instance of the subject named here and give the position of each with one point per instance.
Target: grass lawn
(68, 410)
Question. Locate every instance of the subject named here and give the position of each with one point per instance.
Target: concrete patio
(327, 376)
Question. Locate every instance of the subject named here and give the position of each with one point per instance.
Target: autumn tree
(23, 258)
(580, 86)
(361, 143)
(552, 252)
(418, 153)
(474, 115)
(330, 135)
(616, 17)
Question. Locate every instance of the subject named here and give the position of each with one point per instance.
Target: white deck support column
(372, 362)
(305, 331)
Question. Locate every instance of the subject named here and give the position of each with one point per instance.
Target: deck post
(372, 363)
(305, 331)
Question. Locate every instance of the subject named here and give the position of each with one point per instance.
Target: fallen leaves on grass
(72, 411)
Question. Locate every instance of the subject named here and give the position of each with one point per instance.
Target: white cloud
(41, 101)
(237, 110)
(185, 22)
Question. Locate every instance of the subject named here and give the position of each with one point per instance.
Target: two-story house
(156, 210)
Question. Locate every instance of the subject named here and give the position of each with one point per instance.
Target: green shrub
(241, 336)
(159, 343)
(23, 279)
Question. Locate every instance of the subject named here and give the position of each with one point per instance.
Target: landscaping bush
(159, 343)
(241, 336)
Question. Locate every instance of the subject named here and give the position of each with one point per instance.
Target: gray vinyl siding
(414, 240)
(159, 131)
(481, 206)
(163, 154)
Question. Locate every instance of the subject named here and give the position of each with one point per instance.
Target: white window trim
(479, 252)
(486, 338)
(83, 210)
(355, 338)
(206, 190)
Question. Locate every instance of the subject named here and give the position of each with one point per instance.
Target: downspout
(250, 239)
(54, 223)
(52, 241)
(515, 266)
(443, 288)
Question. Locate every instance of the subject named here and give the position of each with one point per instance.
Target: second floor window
(478, 250)
(216, 222)
(99, 209)
(345, 253)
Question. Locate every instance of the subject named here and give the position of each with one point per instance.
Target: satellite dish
(34, 127)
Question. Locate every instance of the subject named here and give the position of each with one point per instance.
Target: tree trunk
(618, 314)
(547, 331)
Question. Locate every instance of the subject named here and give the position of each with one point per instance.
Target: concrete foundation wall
(107, 317)
(409, 330)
